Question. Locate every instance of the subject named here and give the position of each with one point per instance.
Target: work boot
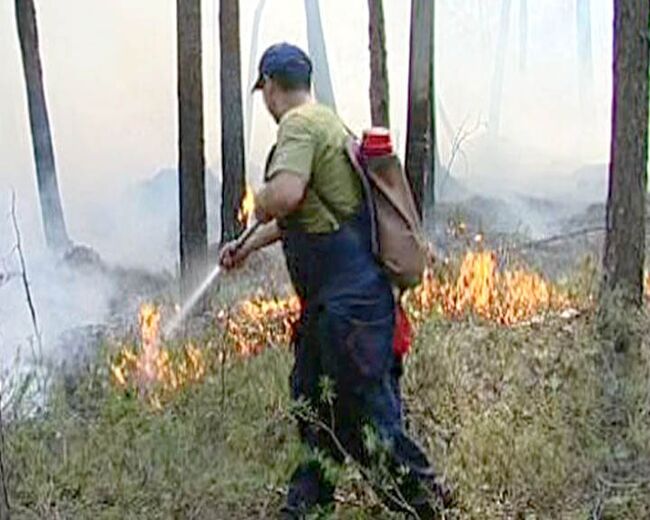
(438, 498)
(308, 490)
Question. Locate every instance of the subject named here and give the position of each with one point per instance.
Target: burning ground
(525, 406)
(514, 393)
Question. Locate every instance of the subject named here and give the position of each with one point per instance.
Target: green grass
(539, 421)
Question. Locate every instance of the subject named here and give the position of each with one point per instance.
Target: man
(313, 201)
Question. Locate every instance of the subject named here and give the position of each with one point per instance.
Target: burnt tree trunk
(191, 163)
(56, 234)
(233, 166)
(496, 94)
(418, 133)
(430, 187)
(379, 93)
(625, 237)
(318, 54)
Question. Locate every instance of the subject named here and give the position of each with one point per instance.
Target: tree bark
(233, 164)
(191, 166)
(379, 93)
(625, 236)
(318, 54)
(418, 133)
(499, 69)
(56, 234)
(430, 189)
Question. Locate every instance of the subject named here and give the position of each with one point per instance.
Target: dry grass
(546, 420)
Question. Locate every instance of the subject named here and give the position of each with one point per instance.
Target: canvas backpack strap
(353, 152)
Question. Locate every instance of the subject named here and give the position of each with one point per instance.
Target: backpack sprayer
(206, 283)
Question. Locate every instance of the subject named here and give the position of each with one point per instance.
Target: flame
(147, 363)
(247, 206)
(260, 322)
(507, 298)
(153, 371)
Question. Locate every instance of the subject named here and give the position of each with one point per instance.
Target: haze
(109, 70)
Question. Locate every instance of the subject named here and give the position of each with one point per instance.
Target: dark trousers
(347, 339)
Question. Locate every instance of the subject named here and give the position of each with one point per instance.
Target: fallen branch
(565, 236)
(558, 238)
(23, 274)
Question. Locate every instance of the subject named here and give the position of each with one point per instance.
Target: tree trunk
(625, 239)
(418, 133)
(233, 165)
(430, 188)
(56, 234)
(499, 69)
(523, 35)
(379, 93)
(585, 60)
(318, 54)
(252, 73)
(191, 166)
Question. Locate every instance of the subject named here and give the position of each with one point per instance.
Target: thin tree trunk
(191, 166)
(252, 73)
(585, 59)
(523, 35)
(430, 188)
(418, 137)
(499, 68)
(318, 54)
(56, 235)
(625, 236)
(233, 165)
(379, 93)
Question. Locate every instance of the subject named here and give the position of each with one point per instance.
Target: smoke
(110, 79)
(63, 298)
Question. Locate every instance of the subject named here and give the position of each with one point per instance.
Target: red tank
(376, 142)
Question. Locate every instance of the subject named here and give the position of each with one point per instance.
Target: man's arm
(280, 196)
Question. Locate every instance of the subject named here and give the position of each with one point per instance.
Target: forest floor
(549, 418)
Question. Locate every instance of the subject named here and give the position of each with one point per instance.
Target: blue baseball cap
(283, 59)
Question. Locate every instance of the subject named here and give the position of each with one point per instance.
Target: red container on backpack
(403, 333)
(376, 142)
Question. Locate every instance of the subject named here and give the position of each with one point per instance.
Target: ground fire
(505, 297)
(154, 371)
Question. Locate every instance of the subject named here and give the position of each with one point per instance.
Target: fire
(154, 371)
(506, 298)
(247, 206)
(479, 287)
(260, 322)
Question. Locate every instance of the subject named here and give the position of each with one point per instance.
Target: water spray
(205, 284)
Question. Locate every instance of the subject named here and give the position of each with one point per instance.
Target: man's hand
(233, 255)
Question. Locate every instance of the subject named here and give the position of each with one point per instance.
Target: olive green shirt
(311, 143)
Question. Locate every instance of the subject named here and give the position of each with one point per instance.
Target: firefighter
(312, 201)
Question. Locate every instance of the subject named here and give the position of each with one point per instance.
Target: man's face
(269, 92)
